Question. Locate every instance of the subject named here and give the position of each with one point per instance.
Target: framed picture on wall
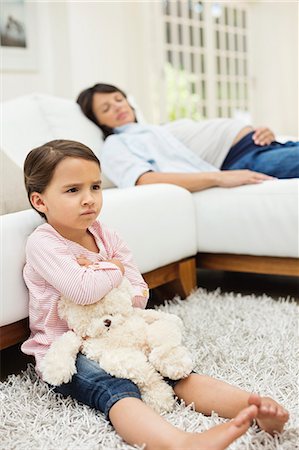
(18, 35)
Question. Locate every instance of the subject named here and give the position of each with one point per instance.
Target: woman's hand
(263, 136)
(233, 178)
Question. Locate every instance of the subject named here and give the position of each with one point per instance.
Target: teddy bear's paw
(59, 373)
(160, 397)
(174, 363)
(148, 315)
(59, 363)
(177, 321)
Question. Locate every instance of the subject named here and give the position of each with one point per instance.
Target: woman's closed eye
(107, 106)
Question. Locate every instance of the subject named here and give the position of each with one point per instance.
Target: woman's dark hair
(41, 162)
(85, 101)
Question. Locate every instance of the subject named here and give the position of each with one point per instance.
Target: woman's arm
(198, 181)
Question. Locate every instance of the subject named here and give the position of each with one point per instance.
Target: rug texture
(251, 342)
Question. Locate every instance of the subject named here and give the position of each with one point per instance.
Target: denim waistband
(245, 145)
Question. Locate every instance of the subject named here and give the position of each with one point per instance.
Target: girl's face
(112, 109)
(73, 198)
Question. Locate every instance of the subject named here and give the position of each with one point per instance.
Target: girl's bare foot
(219, 437)
(271, 416)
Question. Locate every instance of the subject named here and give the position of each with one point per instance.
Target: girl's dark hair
(85, 101)
(41, 162)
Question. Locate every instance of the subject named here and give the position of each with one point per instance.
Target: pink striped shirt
(51, 270)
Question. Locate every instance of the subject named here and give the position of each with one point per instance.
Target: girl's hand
(263, 136)
(82, 261)
(118, 264)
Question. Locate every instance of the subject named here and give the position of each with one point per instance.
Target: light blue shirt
(138, 148)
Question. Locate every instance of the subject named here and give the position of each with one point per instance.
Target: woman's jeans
(278, 160)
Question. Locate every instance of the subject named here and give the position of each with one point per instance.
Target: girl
(138, 153)
(63, 181)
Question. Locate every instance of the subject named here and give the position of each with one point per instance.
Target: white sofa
(250, 228)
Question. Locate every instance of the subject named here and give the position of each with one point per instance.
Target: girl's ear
(38, 202)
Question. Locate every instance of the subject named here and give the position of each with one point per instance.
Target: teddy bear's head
(102, 326)
(97, 318)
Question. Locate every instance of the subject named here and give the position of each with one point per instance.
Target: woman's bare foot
(220, 436)
(271, 416)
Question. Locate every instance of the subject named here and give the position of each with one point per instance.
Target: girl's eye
(96, 187)
(105, 110)
(72, 190)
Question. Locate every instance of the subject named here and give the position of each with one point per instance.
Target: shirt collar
(124, 128)
(133, 127)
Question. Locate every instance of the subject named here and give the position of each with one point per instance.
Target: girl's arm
(49, 256)
(139, 300)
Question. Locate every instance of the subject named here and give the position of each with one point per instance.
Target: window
(205, 59)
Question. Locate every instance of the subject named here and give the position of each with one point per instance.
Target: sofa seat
(249, 220)
(249, 228)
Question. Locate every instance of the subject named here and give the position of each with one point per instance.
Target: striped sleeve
(118, 249)
(50, 257)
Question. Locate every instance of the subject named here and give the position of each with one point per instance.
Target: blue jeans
(94, 387)
(278, 160)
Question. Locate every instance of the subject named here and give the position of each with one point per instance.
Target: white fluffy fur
(141, 345)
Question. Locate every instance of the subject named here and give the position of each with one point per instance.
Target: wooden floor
(13, 361)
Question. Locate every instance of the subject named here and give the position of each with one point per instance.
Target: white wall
(84, 43)
(52, 74)
(274, 65)
(107, 45)
(118, 42)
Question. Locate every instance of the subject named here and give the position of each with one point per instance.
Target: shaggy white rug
(249, 341)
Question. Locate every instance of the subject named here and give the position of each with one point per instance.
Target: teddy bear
(141, 345)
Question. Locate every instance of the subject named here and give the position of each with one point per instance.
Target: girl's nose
(88, 199)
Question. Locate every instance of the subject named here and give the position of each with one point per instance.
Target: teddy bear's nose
(107, 323)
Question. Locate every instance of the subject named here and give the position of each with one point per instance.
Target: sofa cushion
(23, 127)
(16, 228)
(13, 195)
(157, 221)
(66, 121)
(35, 119)
(259, 219)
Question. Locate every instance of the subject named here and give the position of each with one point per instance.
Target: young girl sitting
(63, 181)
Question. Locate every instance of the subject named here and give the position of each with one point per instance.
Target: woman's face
(112, 109)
